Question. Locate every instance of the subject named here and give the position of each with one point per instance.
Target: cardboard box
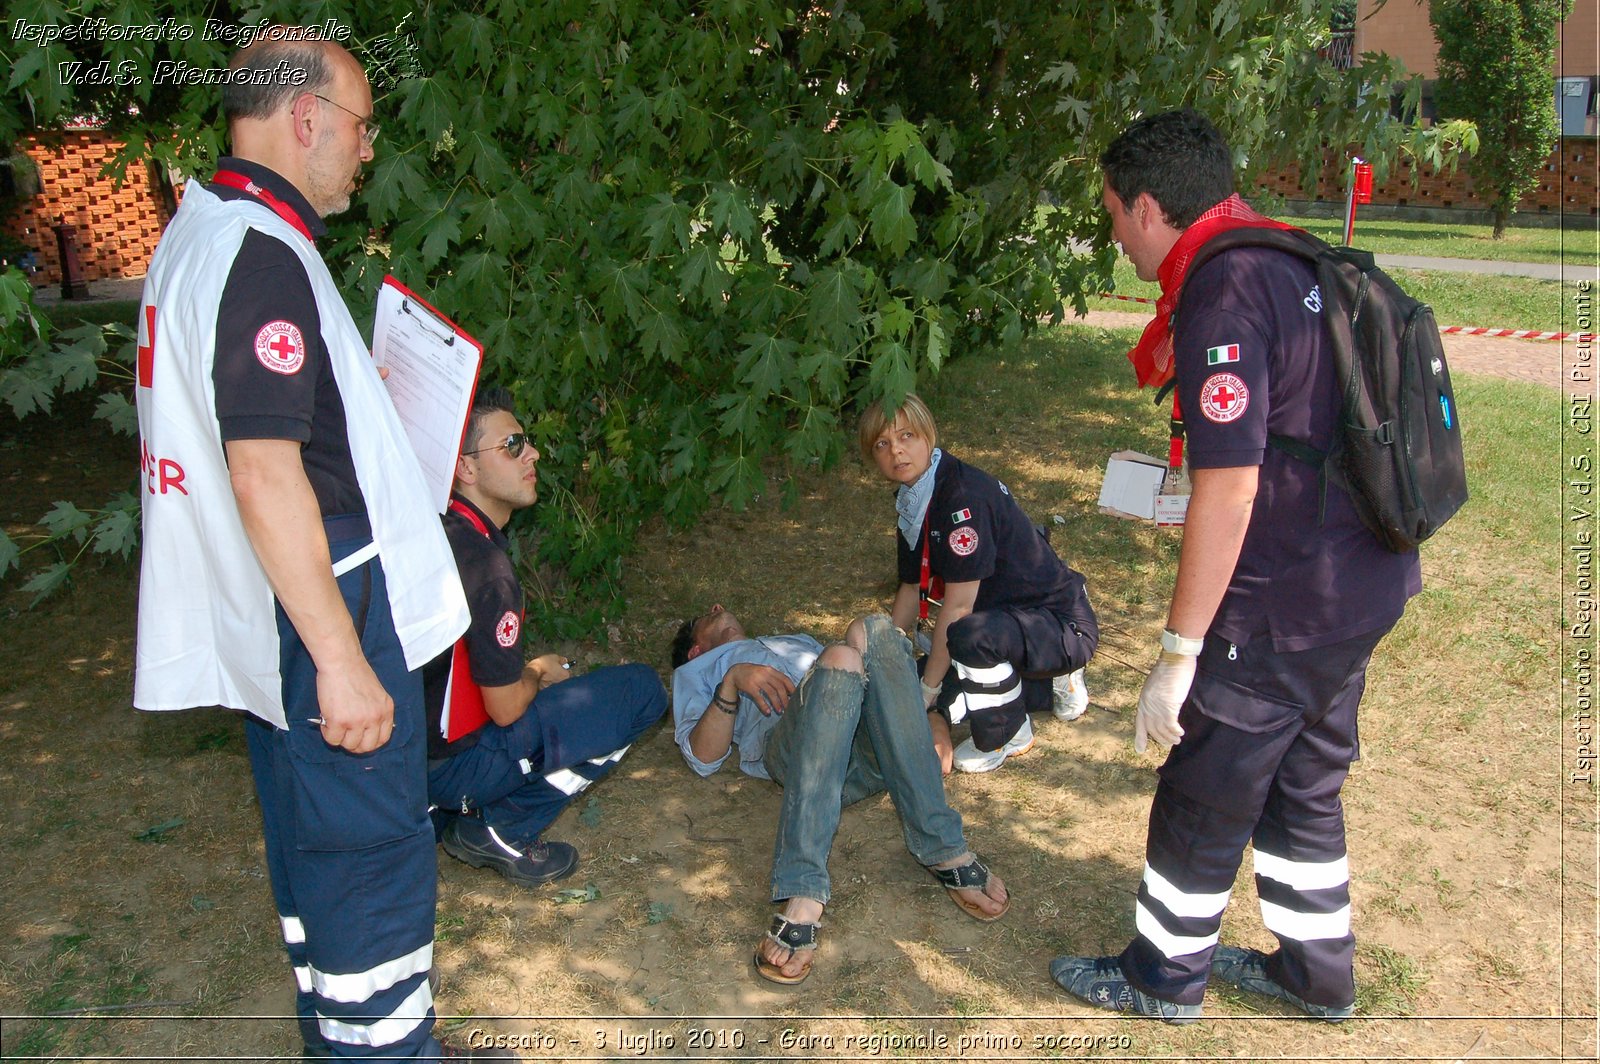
(1130, 485)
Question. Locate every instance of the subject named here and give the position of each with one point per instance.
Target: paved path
(1545, 271)
(1536, 361)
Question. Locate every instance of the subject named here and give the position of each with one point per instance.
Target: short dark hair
(683, 642)
(487, 401)
(263, 94)
(1178, 157)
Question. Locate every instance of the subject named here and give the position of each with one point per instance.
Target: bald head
(304, 112)
(279, 71)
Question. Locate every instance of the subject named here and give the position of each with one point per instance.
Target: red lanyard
(282, 209)
(1175, 444)
(459, 507)
(930, 587)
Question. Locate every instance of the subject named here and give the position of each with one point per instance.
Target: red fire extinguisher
(1360, 192)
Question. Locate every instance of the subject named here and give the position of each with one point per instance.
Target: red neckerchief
(233, 179)
(1152, 355)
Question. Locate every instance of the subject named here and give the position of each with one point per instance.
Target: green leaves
(65, 519)
(576, 895)
(833, 304)
(1494, 64)
(394, 183)
(692, 236)
(767, 365)
(159, 832)
(892, 224)
(8, 553)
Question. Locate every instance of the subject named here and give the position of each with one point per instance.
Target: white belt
(355, 559)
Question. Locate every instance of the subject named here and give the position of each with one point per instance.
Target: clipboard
(433, 374)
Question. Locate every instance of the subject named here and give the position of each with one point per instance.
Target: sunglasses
(513, 445)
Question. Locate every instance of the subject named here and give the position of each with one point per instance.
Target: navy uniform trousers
(1268, 739)
(1003, 659)
(521, 777)
(350, 848)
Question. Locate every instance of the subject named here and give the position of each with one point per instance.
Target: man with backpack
(1281, 595)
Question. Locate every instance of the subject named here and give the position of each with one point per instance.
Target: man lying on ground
(854, 726)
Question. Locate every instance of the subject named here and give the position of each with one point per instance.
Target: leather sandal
(794, 937)
(974, 875)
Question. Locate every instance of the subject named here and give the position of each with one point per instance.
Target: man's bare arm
(766, 686)
(284, 523)
(507, 703)
(904, 612)
(958, 602)
(1213, 533)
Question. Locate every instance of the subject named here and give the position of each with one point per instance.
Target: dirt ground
(138, 924)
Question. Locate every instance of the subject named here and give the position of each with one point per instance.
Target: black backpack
(1399, 456)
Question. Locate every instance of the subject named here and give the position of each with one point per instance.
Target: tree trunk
(1502, 213)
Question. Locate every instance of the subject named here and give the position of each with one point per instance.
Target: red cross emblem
(964, 540)
(506, 629)
(1224, 398)
(280, 347)
(146, 347)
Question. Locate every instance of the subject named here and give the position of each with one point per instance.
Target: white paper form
(433, 371)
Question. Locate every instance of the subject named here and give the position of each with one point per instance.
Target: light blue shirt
(696, 681)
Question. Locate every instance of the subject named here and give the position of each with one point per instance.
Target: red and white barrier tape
(1463, 330)
(1520, 334)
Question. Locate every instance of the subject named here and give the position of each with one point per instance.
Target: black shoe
(480, 846)
(1247, 970)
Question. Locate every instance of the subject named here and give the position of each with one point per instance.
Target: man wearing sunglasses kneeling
(511, 744)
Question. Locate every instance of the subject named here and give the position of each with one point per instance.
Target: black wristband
(728, 706)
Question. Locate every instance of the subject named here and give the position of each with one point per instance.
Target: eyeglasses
(369, 129)
(513, 445)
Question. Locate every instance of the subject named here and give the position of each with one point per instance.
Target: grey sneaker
(479, 845)
(1100, 982)
(970, 759)
(1247, 970)
(1069, 696)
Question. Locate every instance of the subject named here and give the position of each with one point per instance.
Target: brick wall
(117, 227)
(1566, 184)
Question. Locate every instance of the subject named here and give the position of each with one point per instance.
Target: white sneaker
(1069, 696)
(970, 759)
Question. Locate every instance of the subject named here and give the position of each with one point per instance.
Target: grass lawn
(1457, 298)
(1573, 245)
(67, 314)
(1458, 814)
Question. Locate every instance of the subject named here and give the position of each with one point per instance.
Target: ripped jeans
(846, 736)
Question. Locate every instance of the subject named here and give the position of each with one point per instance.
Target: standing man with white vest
(292, 566)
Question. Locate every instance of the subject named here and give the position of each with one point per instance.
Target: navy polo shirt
(494, 638)
(977, 531)
(1252, 359)
(272, 376)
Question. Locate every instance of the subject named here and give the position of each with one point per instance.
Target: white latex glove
(930, 695)
(1164, 691)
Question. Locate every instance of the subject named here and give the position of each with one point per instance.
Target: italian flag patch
(1216, 356)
